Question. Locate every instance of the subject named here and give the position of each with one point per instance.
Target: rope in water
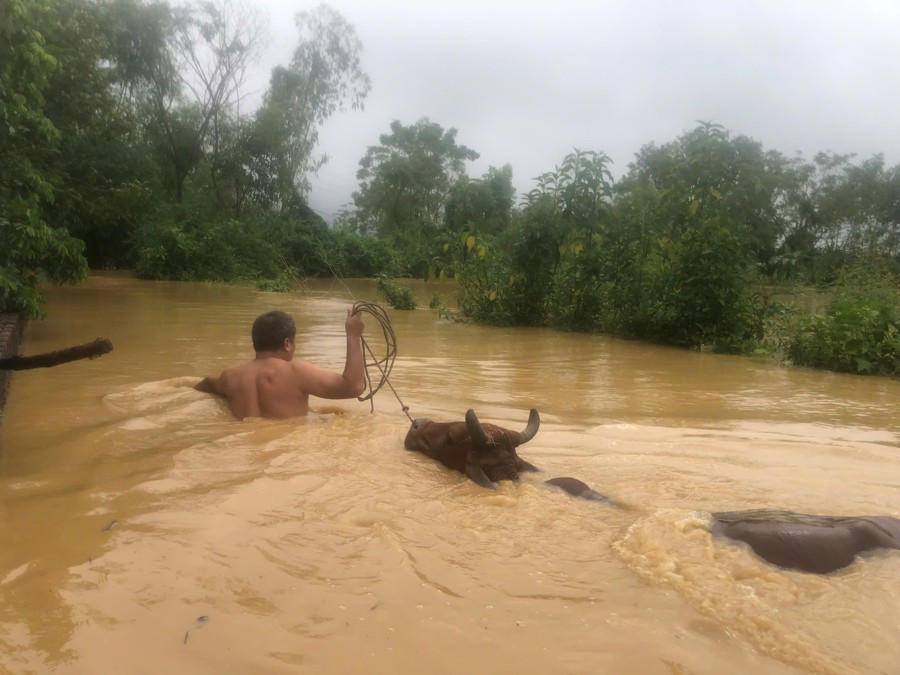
(384, 364)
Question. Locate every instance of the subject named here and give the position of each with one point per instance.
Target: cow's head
(486, 453)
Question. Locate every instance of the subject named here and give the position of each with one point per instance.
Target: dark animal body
(576, 488)
(486, 453)
(797, 541)
(818, 544)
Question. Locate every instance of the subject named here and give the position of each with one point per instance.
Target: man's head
(271, 330)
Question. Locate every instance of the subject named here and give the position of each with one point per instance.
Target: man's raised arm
(355, 364)
(325, 383)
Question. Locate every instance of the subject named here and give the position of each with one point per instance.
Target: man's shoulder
(266, 367)
(238, 371)
(303, 367)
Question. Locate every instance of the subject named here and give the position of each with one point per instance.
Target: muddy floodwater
(144, 530)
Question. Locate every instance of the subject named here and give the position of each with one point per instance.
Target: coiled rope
(390, 341)
(384, 364)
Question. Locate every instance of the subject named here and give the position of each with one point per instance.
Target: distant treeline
(126, 142)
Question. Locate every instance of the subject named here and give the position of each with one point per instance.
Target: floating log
(89, 350)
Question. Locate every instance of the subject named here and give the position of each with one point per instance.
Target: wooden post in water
(10, 335)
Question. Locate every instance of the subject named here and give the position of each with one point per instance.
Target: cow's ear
(477, 475)
(526, 466)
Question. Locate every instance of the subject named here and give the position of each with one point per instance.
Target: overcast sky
(525, 82)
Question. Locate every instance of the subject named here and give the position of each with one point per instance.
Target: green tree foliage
(186, 66)
(398, 297)
(673, 253)
(697, 215)
(667, 255)
(405, 181)
(580, 190)
(31, 251)
(324, 76)
(99, 172)
(253, 167)
(837, 211)
(193, 245)
(565, 212)
(484, 205)
(707, 172)
(860, 329)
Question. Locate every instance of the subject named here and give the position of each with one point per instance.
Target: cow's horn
(534, 423)
(475, 430)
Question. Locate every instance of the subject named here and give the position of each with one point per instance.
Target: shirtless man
(274, 384)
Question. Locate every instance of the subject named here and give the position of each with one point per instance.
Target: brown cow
(486, 453)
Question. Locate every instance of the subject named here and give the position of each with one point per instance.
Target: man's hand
(209, 385)
(354, 325)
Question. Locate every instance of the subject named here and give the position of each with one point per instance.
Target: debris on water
(185, 636)
(202, 619)
(375, 606)
(110, 525)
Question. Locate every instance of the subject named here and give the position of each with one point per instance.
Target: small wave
(165, 403)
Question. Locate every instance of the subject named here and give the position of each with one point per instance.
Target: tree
(31, 251)
(696, 215)
(324, 76)
(186, 66)
(405, 181)
(101, 173)
(872, 226)
(837, 211)
(706, 172)
(484, 204)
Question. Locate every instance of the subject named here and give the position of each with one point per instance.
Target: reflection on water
(143, 525)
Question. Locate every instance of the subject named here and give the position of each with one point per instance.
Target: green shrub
(285, 282)
(438, 304)
(398, 297)
(579, 292)
(858, 333)
(188, 244)
(488, 287)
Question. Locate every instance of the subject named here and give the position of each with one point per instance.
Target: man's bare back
(274, 385)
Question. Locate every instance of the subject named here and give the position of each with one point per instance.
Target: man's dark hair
(271, 329)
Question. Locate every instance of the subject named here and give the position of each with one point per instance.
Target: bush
(696, 291)
(197, 250)
(286, 281)
(579, 294)
(859, 332)
(438, 304)
(187, 244)
(489, 289)
(398, 297)
(361, 256)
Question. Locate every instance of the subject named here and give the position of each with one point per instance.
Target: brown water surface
(144, 530)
